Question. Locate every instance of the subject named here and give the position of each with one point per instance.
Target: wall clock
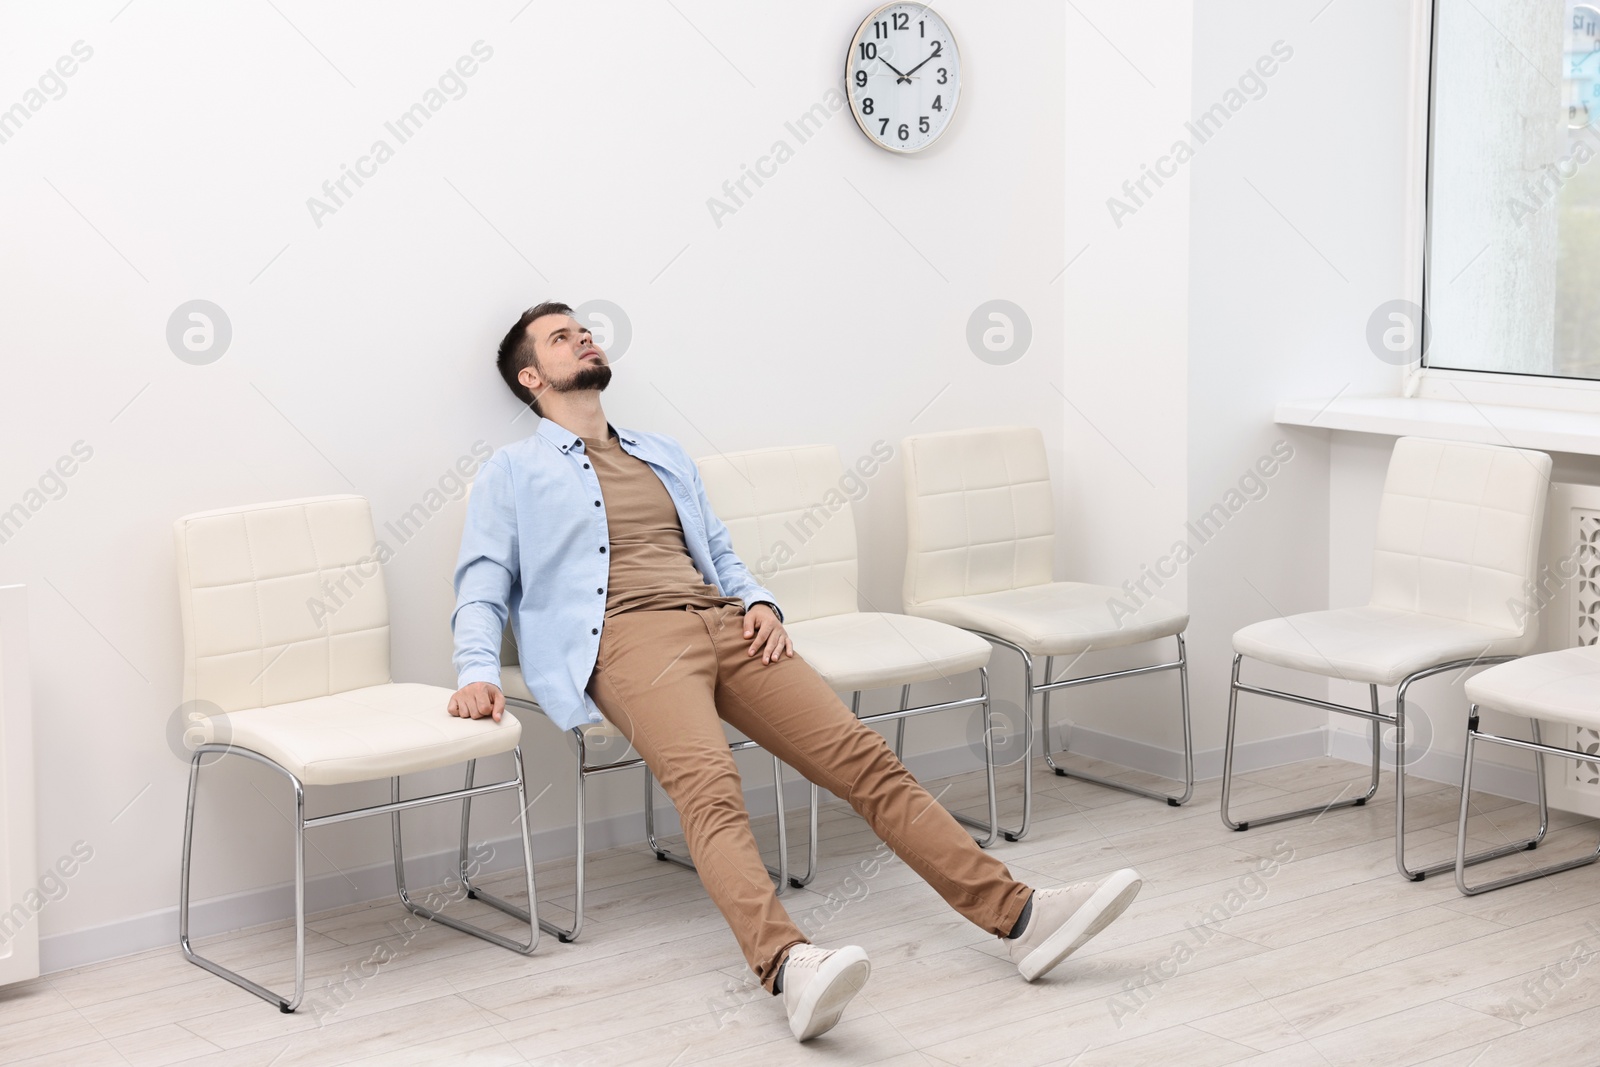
(904, 77)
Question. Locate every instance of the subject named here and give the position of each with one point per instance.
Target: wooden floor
(1290, 944)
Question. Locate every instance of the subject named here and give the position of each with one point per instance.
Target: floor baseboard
(1516, 783)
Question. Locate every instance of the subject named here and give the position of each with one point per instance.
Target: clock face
(904, 76)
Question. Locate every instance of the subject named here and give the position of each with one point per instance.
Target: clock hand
(919, 66)
(891, 66)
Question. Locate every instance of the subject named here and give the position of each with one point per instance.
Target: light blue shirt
(536, 548)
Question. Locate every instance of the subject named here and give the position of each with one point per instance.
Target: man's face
(565, 356)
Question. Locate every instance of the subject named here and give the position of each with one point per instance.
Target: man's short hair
(516, 351)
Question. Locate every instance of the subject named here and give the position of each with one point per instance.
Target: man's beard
(595, 376)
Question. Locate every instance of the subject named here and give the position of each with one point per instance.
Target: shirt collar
(565, 440)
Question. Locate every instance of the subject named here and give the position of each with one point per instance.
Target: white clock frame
(851, 90)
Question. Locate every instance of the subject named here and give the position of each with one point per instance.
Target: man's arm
(485, 573)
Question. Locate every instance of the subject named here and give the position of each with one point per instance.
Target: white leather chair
(1560, 687)
(606, 741)
(1458, 535)
(286, 634)
(792, 524)
(980, 523)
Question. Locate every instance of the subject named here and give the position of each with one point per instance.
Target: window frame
(1515, 388)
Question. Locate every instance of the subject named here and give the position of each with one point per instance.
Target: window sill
(1575, 432)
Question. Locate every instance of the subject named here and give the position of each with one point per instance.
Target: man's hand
(480, 700)
(770, 638)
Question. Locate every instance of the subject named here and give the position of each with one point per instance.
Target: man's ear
(530, 380)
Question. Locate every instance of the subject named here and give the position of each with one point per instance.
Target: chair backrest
(1458, 531)
(280, 602)
(979, 513)
(788, 512)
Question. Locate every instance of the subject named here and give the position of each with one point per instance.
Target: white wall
(1127, 294)
(831, 307)
(1300, 208)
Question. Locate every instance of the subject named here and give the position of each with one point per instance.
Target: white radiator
(1567, 596)
(19, 870)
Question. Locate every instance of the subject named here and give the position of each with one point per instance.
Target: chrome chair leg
(991, 829)
(1539, 749)
(516, 912)
(1027, 760)
(1028, 738)
(1227, 747)
(900, 724)
(302, 824)
(1528, 844)
(438, 916)
(1398, 722)
(284, 1005)
(1181, 664)
(812, 822)
(782, 871)
(988, 763)
(581, 858)
(462, 871)
(1235, 687)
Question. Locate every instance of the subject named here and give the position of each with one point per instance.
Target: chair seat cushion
(1379, 646)
(601, 736)
(1060, 618)
(363, 734)
(1559, 686)
(869, 650)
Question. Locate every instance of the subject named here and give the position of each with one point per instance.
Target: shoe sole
(830, 992)
(1094, 915)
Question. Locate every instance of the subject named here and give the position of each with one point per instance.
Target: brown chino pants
(665, 677)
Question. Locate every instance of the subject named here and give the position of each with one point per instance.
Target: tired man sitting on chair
(628, 602)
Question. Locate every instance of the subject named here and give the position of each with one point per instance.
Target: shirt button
(602, 548)
(594, 631)
(597, 503)
(585, 466)
(602, 591)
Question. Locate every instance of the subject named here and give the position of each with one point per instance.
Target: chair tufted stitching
(261, 626)
(1002, 452)
(353, 657)
(1416, 561)
(780, 496)
(327, 627)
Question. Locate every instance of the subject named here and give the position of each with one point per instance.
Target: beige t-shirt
(651, 569)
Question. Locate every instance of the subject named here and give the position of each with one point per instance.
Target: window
(1512, 269)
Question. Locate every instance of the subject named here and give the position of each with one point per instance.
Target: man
(628, 602)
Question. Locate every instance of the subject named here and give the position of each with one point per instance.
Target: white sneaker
(818, 983)
(1065, 918)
